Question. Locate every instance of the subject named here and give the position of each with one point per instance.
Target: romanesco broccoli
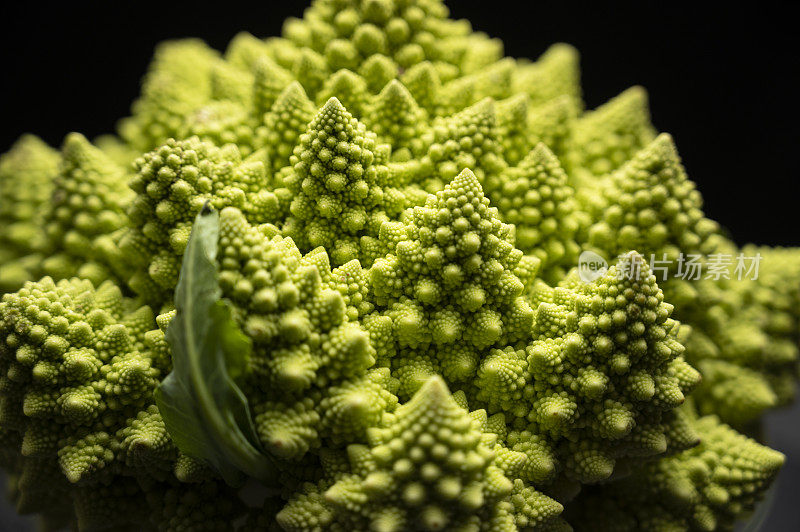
(341, 263)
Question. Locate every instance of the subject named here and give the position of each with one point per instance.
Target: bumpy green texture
(774, 304)
(179, 82)
(536, 197)
(610, 135)
(427, 467)
(76, 230)
(744, 330)
(172, 185)
(307, 379)
(77, 382)
(338, 186)
(86, 215)
(401, 211)
(602, 376)
(381, 37)
(448, 284)
(205, 506)
(742, 333)
(26, 174)
(650, 205)
(705, 488)
(77, 386)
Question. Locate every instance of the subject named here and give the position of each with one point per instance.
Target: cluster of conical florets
(448, 284)
(309, 379)
(705, 488)
(602, 376)
(401, 210)
(78, 381)
(429, 466)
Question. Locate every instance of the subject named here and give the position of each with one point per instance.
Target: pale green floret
(395, 117)
(80, 224)
(427, 467)
(178, 83)
(745, 336)
(468, 139)
(448, 284)
(307, 377)
(78, 386)
(86, 216)
(537, 199)
(79, 378)
(285, 121)
(772, 303)
(26, 184)
(602, 377)
(172, 184)
(650, 205)
(339, 183)
(605, 138)
(705, 488)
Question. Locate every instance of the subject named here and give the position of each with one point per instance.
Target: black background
(720, 80)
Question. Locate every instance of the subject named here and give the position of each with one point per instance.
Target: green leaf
(205, 412)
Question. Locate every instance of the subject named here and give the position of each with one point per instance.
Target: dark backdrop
(719, 81)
